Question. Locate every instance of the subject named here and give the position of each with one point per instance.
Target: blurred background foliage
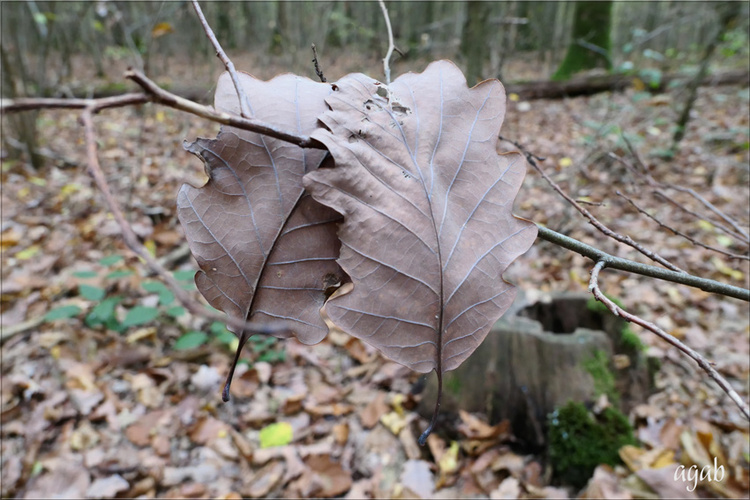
(81, 48)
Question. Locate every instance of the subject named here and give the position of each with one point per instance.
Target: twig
(593, 220)
(174, 101)
(521, 148)
(717, 225)
(156, 94)
(712, 208)
(745, 237)
(131, 240)
(705, 365)
(389, 53)
(244, 103)
(680, 233)
(318, 71)
(651, 182)
(613, 262)
(96, 105)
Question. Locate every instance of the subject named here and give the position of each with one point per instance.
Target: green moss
(630, 341)
(604, 380)
(590, 42)
(579, 441)
(453, 385)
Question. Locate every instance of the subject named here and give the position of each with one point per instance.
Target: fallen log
(590, 85)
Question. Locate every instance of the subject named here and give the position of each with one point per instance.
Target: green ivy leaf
(190, 340)
(278, 434)
(139, 315)
(93, 293)
(63, 312)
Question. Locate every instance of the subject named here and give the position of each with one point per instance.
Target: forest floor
(116, 392)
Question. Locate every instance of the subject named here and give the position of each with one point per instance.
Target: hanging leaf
(428, 228)
(267, 252)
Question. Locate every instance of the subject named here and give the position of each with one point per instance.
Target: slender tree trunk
(590, 44)
(474, 47)
(727, 12)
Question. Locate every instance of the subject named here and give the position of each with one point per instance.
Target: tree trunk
(728, 11)
(590, 43)
(474, 47)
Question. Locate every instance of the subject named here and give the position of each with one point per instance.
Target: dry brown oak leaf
(426, 200)
(267, 251)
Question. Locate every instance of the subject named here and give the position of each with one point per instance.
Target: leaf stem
(423, 438)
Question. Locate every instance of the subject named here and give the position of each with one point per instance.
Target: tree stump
(538, 357)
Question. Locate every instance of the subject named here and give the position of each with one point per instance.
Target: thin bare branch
(131, 240)
(318, 71)
(613, 262)
(712, 208)
(244, 103)
(96, 105)
(698, 358)
(745, 237)
(174, 101)
(680, 233)
(593, 220)
(721, 227)
(389, 53)
(651, 182)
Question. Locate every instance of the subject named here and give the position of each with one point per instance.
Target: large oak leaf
(426, 199)
(266, 250)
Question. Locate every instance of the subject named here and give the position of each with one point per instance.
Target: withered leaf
(426, 199)
(265, 249)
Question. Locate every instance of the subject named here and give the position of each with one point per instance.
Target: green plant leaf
(166, 297)
(217, 328)
(110, 260)
(139, 315)
(102, 312)
(184, 275)
(226, 337)
(89, 292)
(63, 312)
(190, 340)
(120, 273)
(85, 274)
(176, 311)
(273, 356)
(278, 434)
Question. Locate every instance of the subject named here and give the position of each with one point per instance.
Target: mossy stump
(539, 357)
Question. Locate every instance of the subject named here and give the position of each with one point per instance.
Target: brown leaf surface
(428, 228)
(266, 251)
